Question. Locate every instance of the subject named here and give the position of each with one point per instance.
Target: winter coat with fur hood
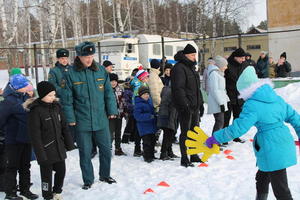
(48, 131)
(273, 145)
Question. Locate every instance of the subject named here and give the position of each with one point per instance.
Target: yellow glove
(197, 144)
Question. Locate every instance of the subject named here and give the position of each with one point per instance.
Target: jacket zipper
(49, 144)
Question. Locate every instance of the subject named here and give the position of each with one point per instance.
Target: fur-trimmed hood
(251, 90)
(33, 102)
(79, 66)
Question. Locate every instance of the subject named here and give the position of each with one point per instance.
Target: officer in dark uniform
(88, 101)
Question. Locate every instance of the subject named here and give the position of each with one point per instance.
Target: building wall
(284, 15)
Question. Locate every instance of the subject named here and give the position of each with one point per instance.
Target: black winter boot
(262, 196)
(195, 158)
(171, 154)
(12, 196)
(29, 195)
(164, 156)
(137, 152)
(185, 162)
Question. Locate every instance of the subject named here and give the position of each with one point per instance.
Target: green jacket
(88, 97)
(56, 75)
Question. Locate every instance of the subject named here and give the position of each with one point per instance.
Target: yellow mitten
(197, 145)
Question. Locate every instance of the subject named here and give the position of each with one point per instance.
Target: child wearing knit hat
(50, 138)
(146, 122)
(17, 144)
(273, 144)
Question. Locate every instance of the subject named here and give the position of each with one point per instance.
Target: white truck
(130, 52)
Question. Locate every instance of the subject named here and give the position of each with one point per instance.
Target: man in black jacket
(187, 97)
(236, 65)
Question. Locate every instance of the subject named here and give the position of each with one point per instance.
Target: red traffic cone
(251, 140)
(203, 165)
(163, 184)
(148, 190)
(297, 143)
(227, 151)
(230, 157)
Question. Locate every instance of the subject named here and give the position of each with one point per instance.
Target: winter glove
(195, 144)
(222, 107)
(210, 141)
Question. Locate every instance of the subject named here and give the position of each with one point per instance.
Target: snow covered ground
(222, 179)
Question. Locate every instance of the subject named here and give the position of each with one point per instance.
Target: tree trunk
(88, 17)
(145, 15)
(43, 54)
(114, 16)
(153, 17)
(214, 29)
(100, 18)
(178, 19)
(119, 16)
(29, 63)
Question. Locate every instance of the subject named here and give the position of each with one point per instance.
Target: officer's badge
(63, 83)
(101, 87)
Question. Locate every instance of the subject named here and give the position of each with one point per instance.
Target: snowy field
(223, 178)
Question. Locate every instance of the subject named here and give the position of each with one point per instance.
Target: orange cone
(297, 143)
(148, 190)
(227, 151)
(163, 184)
(230, 157)
(251, 140)
(203, 165)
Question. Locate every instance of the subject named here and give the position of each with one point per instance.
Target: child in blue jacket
(146, 122)
(273, 144)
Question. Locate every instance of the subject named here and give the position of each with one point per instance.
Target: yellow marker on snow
(197, 144)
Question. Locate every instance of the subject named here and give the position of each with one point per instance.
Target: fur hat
(62, 53)
(85, 49)
(189, 49)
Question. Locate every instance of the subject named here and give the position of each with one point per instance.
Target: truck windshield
(112, 47)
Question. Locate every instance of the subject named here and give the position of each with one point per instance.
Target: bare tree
(114, 15)
(153, 25)
(40, 11)
(145, 14)
(119, 16)
(29, 57)
(100, 18)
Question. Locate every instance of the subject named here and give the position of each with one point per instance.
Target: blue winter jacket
(145, 116)
(274, 146)
(13, 117)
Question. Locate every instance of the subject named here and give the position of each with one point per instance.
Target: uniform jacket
(88, 97)
(56, 75)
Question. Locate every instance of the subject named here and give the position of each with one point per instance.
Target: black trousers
(73, 132)
(279, 182)
(148, 146)
(18, 160)
(137, 138)
(235, 109)
(129, 130)
(219, 121)
(187, 121)
(167, 141)
(115, 127)
(46, 178)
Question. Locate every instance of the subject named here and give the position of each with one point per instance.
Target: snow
(222, 179)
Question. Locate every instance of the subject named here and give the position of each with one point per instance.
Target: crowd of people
(84, 105)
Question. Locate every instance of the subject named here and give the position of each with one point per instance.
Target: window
(229, 48)
(169, 50)
(257, 46)
(156, 49)
(205, 51)
(130, 48)
(112, 47)
(179, 48)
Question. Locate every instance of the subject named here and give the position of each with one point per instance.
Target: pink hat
(142, 74)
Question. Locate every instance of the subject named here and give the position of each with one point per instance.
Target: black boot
(108, 180)
(239, 140)
(29, 195)
(185, 162)
(119, 152)
(164, 156)
(262, 196)
(171, 154)
(86, 186)
(195, 158)
(125, 138)
(12, 196)
(137, 152)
